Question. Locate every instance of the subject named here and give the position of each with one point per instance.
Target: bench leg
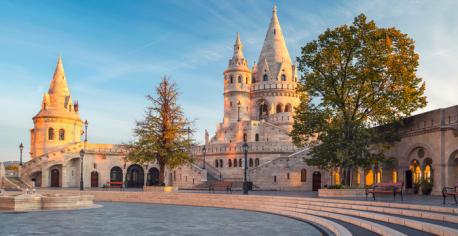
(454, 196)
(394, 195)
(402, 197)
(373, 196)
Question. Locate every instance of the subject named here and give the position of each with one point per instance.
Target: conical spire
(59, 82)
(274, 49)
(238, 60)
(238, 46)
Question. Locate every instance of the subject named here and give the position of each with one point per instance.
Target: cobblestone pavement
(152, 219)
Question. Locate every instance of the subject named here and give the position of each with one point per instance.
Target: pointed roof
(59, 81)
(274, 49)
(238, 61)
(238, 46)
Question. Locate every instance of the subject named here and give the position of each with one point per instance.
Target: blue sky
(115, 52)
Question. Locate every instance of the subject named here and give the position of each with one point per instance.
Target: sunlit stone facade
(58, 137)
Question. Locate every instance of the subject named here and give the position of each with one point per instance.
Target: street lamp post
(245, 152)
(204, 151)
(81, 161)
(21, 148)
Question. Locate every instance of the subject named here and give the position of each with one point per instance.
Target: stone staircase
(337, 216)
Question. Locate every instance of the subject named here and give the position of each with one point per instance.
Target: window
(230, 163)
(279, 108)
(288, 108)
(235, 162)
(216, 163)
(303, 175)
(232, 79)
(240, 162)
(240, 79)
(221, 163)
(256, 137)
(61, 134)
(50, 134)
(265, 77)
(256, 162)
(287, 175)
(283, 77)
(246, 80)
(251, 162)
(275, 179)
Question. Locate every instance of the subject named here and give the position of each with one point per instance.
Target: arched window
(230, 163)
(244, 137)
(283, 77)
(263, 110)
(116, 174)
(235, 162)
(240, 79)
(240, 162)
(216, 163)
(221, 163)
(232, 79)
(288, 108)
(230, 104)
(265, 77)
(303, 175)
(61, 134)
(246, 80)
(279, 108)
(50, 134)
(251, 162)
(256, 137)
(256, 162)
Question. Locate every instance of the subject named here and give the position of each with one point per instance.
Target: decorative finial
(274, 10)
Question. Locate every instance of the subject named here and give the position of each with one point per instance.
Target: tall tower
(58, 122)
(237, 81)
(275, 79)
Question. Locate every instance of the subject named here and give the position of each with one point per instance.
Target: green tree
(163, 136)
(358, 82)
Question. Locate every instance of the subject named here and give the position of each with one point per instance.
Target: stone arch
(452, 169)
(55, 176)
(288, 108)
(94, 179)
(412, 152)
(116, 174)
(153, 176)
(263, 108)
(36, 178)
(135, 176)
(279, 108)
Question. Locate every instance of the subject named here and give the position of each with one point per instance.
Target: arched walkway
(35, 177)
(152, 177)
(116, 174)
(135, 176)
(452, 169)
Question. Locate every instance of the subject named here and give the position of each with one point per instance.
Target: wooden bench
(220, 185)
(450, 191)
(115, 184)
(386, 188)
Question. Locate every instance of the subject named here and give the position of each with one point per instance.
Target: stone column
(363, 177)
(45, 177)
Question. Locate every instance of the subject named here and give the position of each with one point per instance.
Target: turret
(237, 81)
(275, 79)
(58, 122)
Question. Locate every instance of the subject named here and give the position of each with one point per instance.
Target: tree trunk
(161, 174)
